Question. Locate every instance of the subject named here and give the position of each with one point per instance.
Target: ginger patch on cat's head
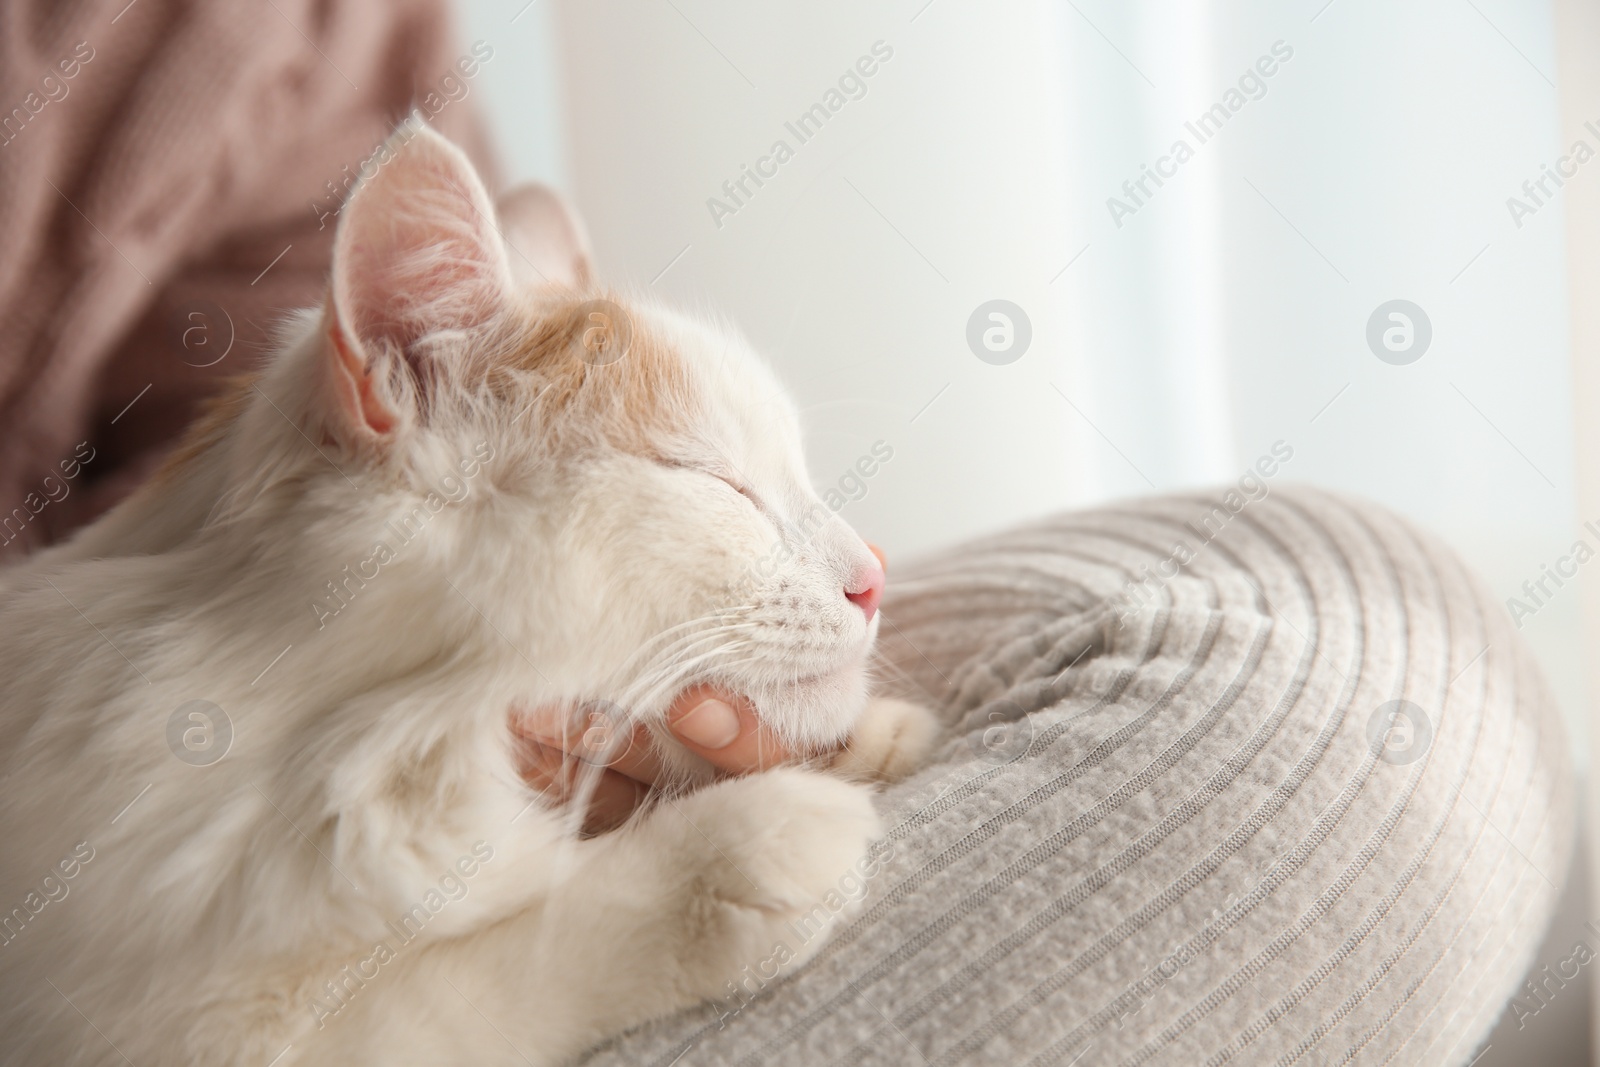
(635, 395)
(430, 312)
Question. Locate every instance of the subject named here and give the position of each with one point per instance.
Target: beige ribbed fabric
(1199, 854)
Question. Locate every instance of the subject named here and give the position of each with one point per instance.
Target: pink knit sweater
(167, 173)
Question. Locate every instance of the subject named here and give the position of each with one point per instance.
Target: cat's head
(645, 521)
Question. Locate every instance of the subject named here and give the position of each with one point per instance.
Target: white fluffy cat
(444, 498)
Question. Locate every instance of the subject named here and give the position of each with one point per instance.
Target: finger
(559, 776)
(639, 759)
(615, 798)
(597, 742)
(724, 729)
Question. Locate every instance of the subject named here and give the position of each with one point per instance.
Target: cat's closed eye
(738, 486)
(732, 481)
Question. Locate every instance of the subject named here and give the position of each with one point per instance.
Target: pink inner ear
(357, 396)
(417, 252)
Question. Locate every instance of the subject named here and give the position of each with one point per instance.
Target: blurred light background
(1172, 344)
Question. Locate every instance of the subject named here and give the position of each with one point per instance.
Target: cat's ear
(417, 254)
(548, 244)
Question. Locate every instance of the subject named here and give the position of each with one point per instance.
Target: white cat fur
(372, 763)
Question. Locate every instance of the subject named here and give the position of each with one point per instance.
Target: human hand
(719, 726)
(715, 724)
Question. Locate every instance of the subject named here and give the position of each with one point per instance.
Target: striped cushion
(1304, 801)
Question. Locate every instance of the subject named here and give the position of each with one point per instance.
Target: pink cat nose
(866, 590)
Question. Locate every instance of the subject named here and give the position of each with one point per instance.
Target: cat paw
(782, 860)
(891, 739)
